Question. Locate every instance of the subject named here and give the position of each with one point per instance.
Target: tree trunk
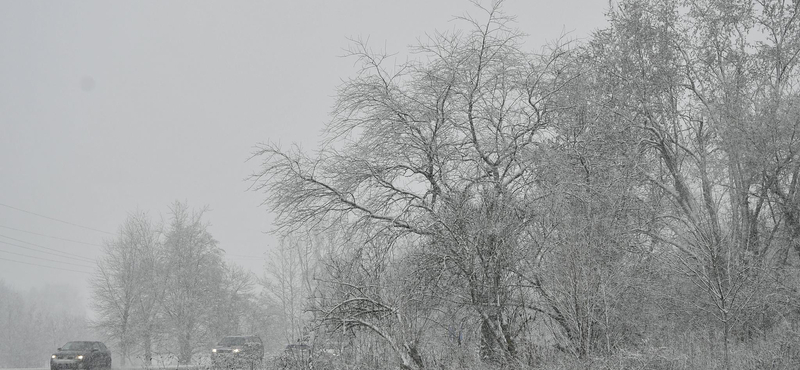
(725, 334)
(148, 354)
(123, 340)
(185, 354)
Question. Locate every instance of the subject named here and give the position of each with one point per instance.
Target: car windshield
(232, 341)
(77, 346)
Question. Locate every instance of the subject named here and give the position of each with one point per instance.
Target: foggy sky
(109, 107)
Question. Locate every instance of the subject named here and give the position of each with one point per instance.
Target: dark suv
(238, 351)
(81, 355)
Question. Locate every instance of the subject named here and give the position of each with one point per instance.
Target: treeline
(631, 201)
(34, 323)
(162, 292)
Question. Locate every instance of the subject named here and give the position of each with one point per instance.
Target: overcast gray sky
(107, 107)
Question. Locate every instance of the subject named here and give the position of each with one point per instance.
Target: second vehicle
(81, 355)
(238, 351)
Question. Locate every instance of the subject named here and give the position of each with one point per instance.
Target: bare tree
(31, 326)
(709, 103)
(283, 281)
(516, 190)
(442, 154)
(123, 287)
(193, 268)
(233, 298)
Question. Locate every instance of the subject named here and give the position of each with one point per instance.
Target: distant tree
(125, 287)
(283, 283)
(158, 285)
(193, 269)
(233, 298)
(147, 313)
(32, 327)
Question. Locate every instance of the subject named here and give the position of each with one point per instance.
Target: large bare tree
(437, 158)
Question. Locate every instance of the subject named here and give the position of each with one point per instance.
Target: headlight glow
(214, 350)
(79, 357)
(53, 356)
(236, 350)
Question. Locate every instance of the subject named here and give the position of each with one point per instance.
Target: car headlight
(79, 357)
(236, 350)
(53, 356)
(213, 350)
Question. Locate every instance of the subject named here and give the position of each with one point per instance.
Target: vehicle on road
(241, 351)
(81, 355)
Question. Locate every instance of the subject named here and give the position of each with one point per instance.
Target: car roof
(84, 342)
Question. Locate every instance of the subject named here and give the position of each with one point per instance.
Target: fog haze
(112, 107)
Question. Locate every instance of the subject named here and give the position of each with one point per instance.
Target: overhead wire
(52, 267)
(60, 253)
(44, 259)
(79, 259)
(55, 219)
(49, 236)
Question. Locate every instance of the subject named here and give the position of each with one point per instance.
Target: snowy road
(178, 367)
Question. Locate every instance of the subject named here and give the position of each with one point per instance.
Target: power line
(44, 259)
(50, 236)
(55, 219)
(60, 253)
(81, 259)
(52, 267)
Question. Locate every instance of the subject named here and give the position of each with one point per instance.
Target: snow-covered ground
(180, 367)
